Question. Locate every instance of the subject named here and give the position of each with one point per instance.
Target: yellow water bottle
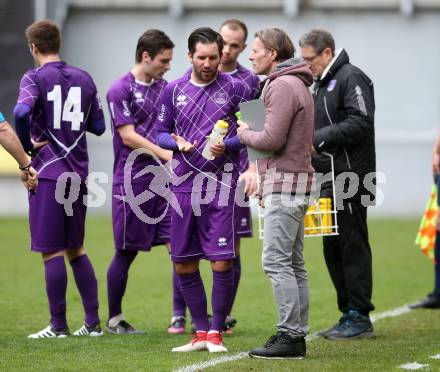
(215, 138)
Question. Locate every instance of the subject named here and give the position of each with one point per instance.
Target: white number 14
(71, 109)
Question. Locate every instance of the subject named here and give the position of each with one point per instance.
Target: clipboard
(253, 113)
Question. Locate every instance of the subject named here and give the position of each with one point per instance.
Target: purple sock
(87, 286)
(191, 287)
(117, 276)
(221, 297)
(56, 286)
(236, 274)
(179, 304)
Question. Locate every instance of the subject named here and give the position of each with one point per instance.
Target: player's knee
(74, 253)
(221, 265)
(49, 256)
(185, 268)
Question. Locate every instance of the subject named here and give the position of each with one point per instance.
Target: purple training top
(191, 110)
(250, 80)
(133, 102)
(252, 84)
(64, 102)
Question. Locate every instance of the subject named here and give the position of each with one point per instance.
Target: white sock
(113, 322)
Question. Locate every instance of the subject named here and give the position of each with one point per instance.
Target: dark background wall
(15, 59)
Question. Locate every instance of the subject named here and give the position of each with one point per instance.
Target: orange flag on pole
(426, 236)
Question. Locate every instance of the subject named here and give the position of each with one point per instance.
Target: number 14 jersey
(64, 102)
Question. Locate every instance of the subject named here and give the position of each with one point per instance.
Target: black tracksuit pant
(348, 259)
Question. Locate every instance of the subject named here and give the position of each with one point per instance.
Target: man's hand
(38, 145)
(30, 179)
(250, 182)
(313, 150)
(242, 126)
(183, 144)
(218, 150)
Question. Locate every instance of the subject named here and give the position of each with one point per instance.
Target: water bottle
(215, 138)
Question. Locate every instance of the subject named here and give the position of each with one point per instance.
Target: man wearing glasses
(344, 127)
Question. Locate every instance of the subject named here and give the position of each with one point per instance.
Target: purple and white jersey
(64, 102)
(250, 80)
(191, 110)
(252, 84)
(136, 103)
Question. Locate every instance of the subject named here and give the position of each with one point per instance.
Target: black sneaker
(354, 326)
(333, 328)
(229, 323)
(281, 346)
(123, 328)
(432, 301)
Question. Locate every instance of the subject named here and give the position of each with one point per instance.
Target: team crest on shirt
(221, 98)
(181, 100)
(331, 85)
(222, 242)
(139, 97)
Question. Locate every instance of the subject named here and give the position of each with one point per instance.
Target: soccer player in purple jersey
(11, 143)
(57, 104)
(205, 189)
(234, 34)
(133, 100)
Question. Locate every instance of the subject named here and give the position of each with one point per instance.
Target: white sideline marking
(437, 356)
(391, 313)
(414, 365)
(213, 362)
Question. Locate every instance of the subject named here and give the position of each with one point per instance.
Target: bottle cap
(222, 124)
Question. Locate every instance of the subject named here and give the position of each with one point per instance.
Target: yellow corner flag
(426, 236)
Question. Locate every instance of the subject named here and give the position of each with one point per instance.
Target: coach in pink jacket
(286, 179)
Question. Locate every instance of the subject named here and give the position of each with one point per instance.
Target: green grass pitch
(401, 275)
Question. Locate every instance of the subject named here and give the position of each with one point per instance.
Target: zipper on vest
(331, 123)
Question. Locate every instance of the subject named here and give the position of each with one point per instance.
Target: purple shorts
(52, 230)
(145, 226)
(210, 235)
(243, 222)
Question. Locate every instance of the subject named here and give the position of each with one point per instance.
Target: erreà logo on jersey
(222, 242)
(161, 116)
(126, 111)
(221, 98)
(181, 100)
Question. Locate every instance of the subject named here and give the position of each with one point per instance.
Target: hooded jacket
(344, 122)
(288, 130)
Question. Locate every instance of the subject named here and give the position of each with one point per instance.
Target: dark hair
(277, 40)
(45, 35)
(235, 24)
(204, 35)
(152, 41)
(319, 39)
